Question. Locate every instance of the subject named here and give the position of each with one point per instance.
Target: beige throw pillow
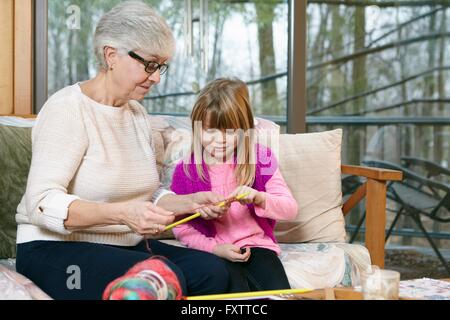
(311, 165)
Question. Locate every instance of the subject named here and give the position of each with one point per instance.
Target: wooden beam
(354, 199)
(376, 220)
(23, 56)
(6, 56)
(373, 173)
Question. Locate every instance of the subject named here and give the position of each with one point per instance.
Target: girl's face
(218, 144)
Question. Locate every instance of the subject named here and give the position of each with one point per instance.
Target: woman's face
(130, 75)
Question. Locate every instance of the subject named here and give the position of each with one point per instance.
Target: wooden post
(16, 56)
(6, 56)
(376, 220)
(296, 108)
(23, 56)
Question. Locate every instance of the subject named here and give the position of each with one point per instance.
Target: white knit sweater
(86, 150)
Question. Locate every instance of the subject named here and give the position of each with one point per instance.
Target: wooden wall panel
(6, 56)
(23, 56)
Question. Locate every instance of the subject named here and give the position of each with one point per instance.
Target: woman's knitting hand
(253, 196)
(145, 218)
(206, 204)
(231, 252)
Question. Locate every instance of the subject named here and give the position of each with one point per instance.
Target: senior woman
(93, 193)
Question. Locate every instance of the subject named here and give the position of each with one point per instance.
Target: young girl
(225, 160)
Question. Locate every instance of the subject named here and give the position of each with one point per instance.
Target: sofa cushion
(311, 165)
(323, 265)
(15, 158)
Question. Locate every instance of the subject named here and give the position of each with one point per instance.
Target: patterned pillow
(17, 287)
(323, 265)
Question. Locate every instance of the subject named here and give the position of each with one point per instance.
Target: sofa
(314, 249)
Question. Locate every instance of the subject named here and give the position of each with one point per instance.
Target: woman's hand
(253, 196)
(231, 252)
(145, 218)
(208, 202)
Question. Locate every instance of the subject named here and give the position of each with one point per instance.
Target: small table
(337, 294)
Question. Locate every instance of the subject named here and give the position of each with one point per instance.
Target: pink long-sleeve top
(237, 226)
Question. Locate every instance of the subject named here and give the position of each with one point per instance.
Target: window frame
(40, 55)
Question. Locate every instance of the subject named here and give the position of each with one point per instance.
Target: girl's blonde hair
(226, 103)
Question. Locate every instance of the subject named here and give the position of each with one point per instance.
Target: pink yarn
(139, 282)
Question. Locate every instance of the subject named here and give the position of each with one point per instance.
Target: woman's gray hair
(133, 25)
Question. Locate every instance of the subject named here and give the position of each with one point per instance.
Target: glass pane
(382, 73)
(248, 40)
(71, 26)
(374, 62)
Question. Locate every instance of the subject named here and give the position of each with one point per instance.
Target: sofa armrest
(374, 189)
(372, 173)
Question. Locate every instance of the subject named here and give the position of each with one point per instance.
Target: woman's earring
(111, 67)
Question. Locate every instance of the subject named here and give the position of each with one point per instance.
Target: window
(382, 73)
(247, 39)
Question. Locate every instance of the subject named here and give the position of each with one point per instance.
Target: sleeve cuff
(57, 205)
(52, 212)
(55, 225)
(158, 194)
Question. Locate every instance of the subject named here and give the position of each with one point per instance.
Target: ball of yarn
(151, 279)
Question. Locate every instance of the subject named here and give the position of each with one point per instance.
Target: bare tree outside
(247, 39)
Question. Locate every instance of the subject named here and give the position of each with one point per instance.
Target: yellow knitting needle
(253, 294)
(197, 214)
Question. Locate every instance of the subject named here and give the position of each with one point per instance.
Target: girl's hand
(145, 218)
(208, 201)
(254, 196)
(231, 252)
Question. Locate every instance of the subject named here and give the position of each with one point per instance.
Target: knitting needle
(237, 198)
(197, 214)
(253, 294)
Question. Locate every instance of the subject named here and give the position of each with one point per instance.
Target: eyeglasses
(150, 66)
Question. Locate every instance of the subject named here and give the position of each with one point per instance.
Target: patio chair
(427, 168)
(418, 196)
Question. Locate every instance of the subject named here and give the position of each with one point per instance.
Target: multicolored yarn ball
(151, 279)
